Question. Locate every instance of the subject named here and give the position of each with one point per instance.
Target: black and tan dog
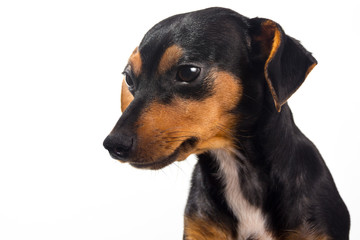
(215, 84)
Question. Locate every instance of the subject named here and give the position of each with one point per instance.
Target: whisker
(181, 131)
(178, 167)
(169, 130)
(174, 141)
(177, 137)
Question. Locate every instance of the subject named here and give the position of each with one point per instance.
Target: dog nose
(119, 146)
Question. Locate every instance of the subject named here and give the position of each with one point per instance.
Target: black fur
(292, 183)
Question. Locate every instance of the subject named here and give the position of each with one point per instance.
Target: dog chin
(153, 165)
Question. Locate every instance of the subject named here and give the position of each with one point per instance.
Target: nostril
(122, 149)
(118, 152)
(118, 146)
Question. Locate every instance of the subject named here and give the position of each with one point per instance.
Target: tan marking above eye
(136, 62)
(170, 57)
(126, 96)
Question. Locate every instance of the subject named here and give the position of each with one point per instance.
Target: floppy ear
(287, 62)
(126, 96)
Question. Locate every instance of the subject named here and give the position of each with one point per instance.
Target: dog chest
(251, 219)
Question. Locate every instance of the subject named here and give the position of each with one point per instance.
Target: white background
(60, 76)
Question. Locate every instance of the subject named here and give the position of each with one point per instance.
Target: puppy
(215, 83)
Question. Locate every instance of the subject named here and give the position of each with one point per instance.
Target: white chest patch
(251, 219)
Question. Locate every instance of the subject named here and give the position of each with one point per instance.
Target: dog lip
(185, 145)
(158, 164)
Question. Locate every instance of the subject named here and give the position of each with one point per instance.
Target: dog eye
(187, 73)
(129, 82)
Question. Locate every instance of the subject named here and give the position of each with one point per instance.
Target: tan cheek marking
(227, 96)
(135, 62)
(126, 96)
(202, 229)
(170, 57)
(208, 120)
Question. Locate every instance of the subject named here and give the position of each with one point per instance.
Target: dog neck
(267, 163)
(280, 147)
(242, 191)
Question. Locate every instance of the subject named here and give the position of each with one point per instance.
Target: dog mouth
(184, 147)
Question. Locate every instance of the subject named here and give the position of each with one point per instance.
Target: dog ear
(126, 96)
(287, 62)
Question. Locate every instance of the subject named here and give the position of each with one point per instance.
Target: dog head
(194, 77)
